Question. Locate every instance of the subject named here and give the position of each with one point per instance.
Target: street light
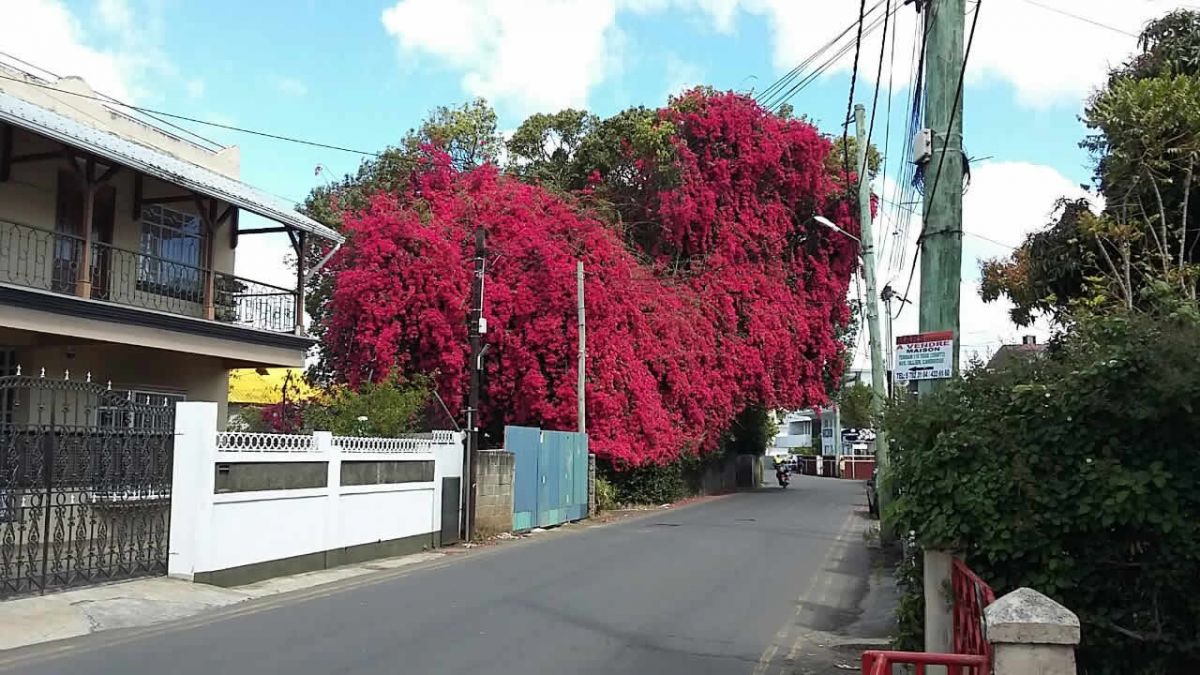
(833, 226)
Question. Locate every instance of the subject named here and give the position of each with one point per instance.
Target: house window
(172, 249)
(113, 417)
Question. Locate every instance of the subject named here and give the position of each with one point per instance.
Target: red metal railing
(881, 662)
(971, 596)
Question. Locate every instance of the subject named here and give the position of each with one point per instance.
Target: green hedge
(1076, 475)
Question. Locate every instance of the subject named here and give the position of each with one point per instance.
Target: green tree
(854, 403)
(1142, 248)
(387, 409)
(543, 148)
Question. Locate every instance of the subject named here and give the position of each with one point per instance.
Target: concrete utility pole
(941, 246)
(582, 377)
(475, 332)
(941, 243)
(879, 388)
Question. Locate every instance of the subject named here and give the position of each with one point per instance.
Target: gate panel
(85, 484)
(451, 498)
(550, 481)
(524, 443)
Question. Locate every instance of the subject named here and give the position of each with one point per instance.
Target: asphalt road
(751, 583)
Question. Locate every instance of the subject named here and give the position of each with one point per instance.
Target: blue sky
(359, 74)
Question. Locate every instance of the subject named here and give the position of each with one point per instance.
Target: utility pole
(867, 249)
(581, 380)
(475, 330)
(941, 242)
(940, 248)
(888, 358)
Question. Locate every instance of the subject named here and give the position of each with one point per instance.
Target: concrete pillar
(323, 442)
(193, 478)
(939, 602)
(1031, 635)
(591, 483)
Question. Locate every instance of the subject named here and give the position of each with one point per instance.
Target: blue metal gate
(550, 476)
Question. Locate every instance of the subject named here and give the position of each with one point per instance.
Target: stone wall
(494, 492)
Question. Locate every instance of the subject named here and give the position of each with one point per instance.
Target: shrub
(1076, 475)
(649, 484)
(388, 408)
(606, 495)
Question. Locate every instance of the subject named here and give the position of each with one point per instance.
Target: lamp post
(879, 384)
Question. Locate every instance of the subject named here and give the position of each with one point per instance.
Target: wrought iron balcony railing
(53, 261)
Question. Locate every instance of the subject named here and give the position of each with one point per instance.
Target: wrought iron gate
(85, 484)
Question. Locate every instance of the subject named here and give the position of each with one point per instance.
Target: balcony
(51, 261)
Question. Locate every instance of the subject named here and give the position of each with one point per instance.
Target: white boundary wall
(213, 531)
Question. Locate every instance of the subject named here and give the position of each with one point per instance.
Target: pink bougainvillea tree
(733, 300)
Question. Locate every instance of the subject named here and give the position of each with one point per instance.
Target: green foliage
(1077, 475)
(606, 494)
(854, 402)
(1169, 46)
(388, 408)
(910, 606)
(1145, 139)
(649, 484)
(467, 133)
(543, 148)
(752, 431)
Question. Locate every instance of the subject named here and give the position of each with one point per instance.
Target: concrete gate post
(1031, 635)
(939, 604)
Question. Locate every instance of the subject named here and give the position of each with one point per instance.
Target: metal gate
(85, 484)
(549, 476)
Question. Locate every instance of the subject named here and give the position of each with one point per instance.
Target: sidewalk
(142, 602)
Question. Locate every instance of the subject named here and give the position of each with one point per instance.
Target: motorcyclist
(781, 469)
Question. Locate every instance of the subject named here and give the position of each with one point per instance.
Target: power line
(875, 96)
(1077, 17)
(862, 8)
(942, 158)
(820, 70)
(229, 127)
(991, 241)
(108, 99)
(786, 79)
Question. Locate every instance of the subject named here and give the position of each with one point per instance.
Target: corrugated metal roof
(157, 163)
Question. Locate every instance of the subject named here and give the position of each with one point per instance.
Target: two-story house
(118, 237)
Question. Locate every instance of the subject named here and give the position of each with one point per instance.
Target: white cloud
(195, 88)
(115, 15)
(681, 75)
(539, 54)
(46, 34)
(291, 86)
(547, 54)
(1046, 56)
(1005, 202)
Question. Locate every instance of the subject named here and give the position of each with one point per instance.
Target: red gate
(973, 652)
(971, 596)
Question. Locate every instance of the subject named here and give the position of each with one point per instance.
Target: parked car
(872, 493)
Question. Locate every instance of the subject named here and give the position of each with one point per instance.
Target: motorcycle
(783, 476)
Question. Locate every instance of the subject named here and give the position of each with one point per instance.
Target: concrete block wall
(494, 492)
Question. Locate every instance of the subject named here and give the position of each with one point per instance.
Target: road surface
(752, 583)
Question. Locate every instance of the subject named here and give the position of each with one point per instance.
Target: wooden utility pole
(940, 246)
(581, 379)
(867, 249)
(941, 241)
(475, 340)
